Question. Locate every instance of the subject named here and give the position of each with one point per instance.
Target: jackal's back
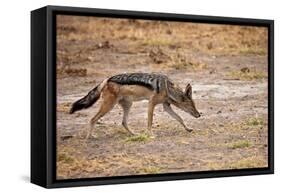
(152, 81)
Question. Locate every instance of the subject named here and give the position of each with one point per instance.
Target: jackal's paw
(189, 130)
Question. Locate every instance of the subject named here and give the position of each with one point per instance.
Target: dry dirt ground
(226, 66)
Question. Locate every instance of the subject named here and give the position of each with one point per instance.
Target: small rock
(219, 112)
(209, 45)
(245, 70)
(169, 31)
(104, 44)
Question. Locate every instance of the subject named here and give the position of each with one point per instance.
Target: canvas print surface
(141, 97)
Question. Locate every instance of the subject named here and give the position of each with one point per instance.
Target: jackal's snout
(197, 114)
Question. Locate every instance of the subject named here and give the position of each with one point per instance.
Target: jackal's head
(187, 104)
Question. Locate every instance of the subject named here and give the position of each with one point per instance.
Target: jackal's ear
(188, 91)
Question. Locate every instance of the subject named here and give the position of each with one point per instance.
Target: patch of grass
(215, 166)
(159, 56)
(138, 138)
(109, 165)
(75, 72)
(252, 162)
(253, 50)
(249, 123)
(63, 157)
(150, 170)
(71, 169)
(181, 62)
(239, 144)
(194, 66)
(63, 107)
(248, 76)
(255, 121)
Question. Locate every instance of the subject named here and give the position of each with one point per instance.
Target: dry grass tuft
(255, 121)
(247, 75)
(75, 72)
(252, 51)
(149, 170)
(63, 107)
(239, 144)
(158, 42)
(138, 138)
(191, 64)
(65, 158)
(250, 162)
(181, 62)
(158, 56)
(251, 123)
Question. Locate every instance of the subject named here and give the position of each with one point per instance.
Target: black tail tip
(72, 110)
(76, 107)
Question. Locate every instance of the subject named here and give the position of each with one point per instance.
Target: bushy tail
(87, 100)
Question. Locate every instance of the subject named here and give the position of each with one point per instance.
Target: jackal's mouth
(196, 114)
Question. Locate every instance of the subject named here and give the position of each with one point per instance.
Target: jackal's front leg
(167, 107)
(151, 106)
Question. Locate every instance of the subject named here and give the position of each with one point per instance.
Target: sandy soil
(229, 80)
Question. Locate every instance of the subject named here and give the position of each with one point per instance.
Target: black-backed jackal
(124, 89)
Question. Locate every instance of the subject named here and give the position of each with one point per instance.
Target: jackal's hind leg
(171, 112)
(93, 122)
(106, 105)
(126, 106)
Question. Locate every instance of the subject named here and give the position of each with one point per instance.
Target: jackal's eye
(185, 99)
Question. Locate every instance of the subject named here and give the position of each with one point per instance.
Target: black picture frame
(43, 96)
